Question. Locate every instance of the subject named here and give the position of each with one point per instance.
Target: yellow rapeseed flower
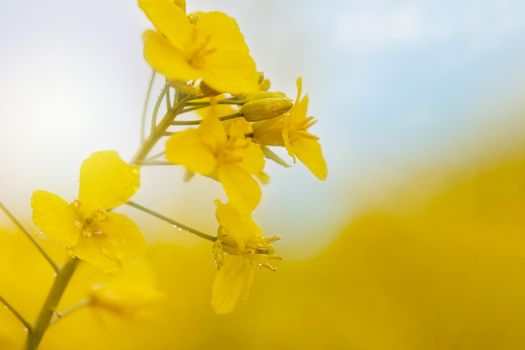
(86, 226)
(130, 295)
(203, 45)
(241, 247)
(221, 153)
(291, 130)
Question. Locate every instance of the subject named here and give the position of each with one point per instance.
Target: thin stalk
(156, 155)
(191, 109)
(51, 262)
(221, 102)
(158, 132)
(17, 314)
(172, 222)
(197, 122)
(157, 107)
(60, 315)
(196, 97)
(154, 162)
(168, 99)
(185, 227)
(145, 108)
(49, 308)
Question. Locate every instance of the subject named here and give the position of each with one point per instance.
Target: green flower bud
(265, 108)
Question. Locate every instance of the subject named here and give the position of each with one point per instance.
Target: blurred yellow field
(434, 267)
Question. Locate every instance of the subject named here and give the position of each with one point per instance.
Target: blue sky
(394, 85)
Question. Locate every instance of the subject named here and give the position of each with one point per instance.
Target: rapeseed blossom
(203, 45)
(87, 226)
(223, 152)
(240, 248)
(207, 65)
(291, 131)
(130, 295)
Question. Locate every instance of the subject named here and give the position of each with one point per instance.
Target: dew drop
(26, 329)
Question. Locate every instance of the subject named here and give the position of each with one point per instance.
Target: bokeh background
(415, 241)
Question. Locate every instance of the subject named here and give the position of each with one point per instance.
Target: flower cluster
(204, 56)
(238, 122)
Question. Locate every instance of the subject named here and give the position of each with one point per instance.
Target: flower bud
(265, 108)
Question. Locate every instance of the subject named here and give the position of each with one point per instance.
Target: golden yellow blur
(434, 267)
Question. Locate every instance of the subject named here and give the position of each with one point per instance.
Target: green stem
(31, 238)
(197, 122)
(145, 108)
(154, 162)
(60, 315)
(17, 314)
(159, 131)
(156, 155)
(172, 222)
(221, 102)
(49, 308)
(156, 108)
(185, 227)
(168, 99)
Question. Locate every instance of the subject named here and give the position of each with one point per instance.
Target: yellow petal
(231, 283)
(241, 188)
(55, 217)
(220, 110)
(309, 152)
(228, 67)
(166, 59)
(170, 20)
(212, 132)
(252, 159)
(238, 127)
(239, 226)
(187, 149)
(299, 111)
(116, 241)
(263, 177)
(270, 132)
(106, 181)
(131, 294)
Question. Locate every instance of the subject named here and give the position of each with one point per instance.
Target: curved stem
(49, 308)
(51, 262)
(159, 130)
(17, 314)
(172, 222)
(157, 107)
(168, 99)
(145, 108)
(156, 156)
(221, 102)
(154, 162)
(60, 315)
(197, 122)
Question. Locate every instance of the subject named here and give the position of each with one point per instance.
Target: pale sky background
(395, 85)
